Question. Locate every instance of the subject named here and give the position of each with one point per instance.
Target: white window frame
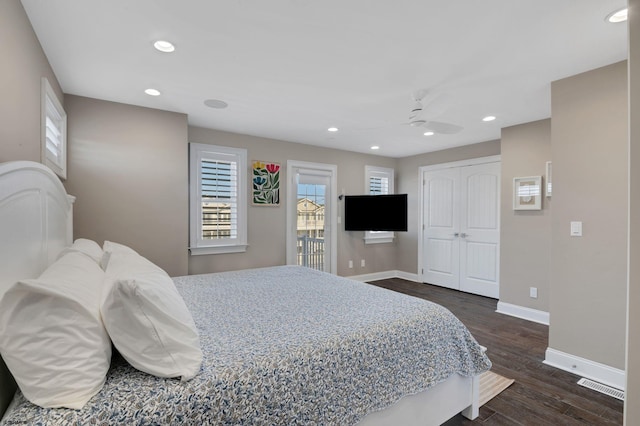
(198, 245)
(378, 237)
(51, 110)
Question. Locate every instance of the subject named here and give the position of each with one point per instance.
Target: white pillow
(87, 247)
(147, 319)
(51, 334)
(110, 247)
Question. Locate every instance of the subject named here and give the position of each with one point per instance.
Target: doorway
(460, 243)
(311, 215)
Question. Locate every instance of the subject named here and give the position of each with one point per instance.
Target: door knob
(457, 234)
(463, 235)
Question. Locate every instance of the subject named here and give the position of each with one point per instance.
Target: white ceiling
(289, 69)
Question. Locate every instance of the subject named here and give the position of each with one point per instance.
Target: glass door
(310, 224)
(311, 212)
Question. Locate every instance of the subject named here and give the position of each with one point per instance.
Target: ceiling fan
(421, 110)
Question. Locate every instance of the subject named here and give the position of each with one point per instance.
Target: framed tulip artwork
(266, 183)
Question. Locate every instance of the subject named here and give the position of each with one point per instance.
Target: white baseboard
(384, 275)
(529, 314)
(586, 368)
(407, 276)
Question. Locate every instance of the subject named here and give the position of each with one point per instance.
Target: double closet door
(461, 228)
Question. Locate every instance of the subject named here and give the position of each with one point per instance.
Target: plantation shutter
(53, 131)
(219, 199)
(53, 135)
(378, 181)
(378, 185)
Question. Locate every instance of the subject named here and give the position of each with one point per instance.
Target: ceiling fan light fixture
(617, 16)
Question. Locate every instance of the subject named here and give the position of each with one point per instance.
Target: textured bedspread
(286, 345)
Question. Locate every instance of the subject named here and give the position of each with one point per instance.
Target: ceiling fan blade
(437, 104)
(444, 128)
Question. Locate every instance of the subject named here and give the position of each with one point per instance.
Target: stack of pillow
(56, 330)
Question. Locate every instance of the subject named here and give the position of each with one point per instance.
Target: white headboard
(36, 223)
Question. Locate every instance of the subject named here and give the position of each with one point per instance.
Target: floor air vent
(607, 390)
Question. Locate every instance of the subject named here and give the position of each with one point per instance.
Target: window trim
(197, 245)
(378, 237)
(49, 99)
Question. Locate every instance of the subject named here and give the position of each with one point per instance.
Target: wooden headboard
(35, 225)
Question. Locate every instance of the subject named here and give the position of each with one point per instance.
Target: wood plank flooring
(541, 395)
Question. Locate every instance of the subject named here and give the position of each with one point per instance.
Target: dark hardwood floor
(541, 395)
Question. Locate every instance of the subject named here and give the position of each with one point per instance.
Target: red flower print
(272, 168)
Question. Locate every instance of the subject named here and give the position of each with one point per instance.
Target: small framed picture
(527, 193)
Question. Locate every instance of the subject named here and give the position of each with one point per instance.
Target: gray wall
(267, 225)
(23, 66)
(588, 274)
(632, 410)
(525, 236)
(407, 181)
(127, 166)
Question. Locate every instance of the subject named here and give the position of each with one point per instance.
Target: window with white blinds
(218, 204)
(378, 181)
(54, 131)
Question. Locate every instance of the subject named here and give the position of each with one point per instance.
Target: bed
(281, 345)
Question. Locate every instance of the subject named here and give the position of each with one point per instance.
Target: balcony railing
(311, 252)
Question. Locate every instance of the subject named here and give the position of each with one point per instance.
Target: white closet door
(461, 234)
(480, 229)
(441, 248)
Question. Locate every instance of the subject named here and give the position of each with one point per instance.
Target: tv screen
(375, 212)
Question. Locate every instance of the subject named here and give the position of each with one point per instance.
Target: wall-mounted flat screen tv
(375, 212)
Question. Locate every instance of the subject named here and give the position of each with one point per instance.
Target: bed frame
(36, 223)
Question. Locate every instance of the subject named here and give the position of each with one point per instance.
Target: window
(54, 131)
(378, 181)
(218, 203)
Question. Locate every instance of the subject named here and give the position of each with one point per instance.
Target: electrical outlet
(533, 292)
(351, 264)
(362, 263)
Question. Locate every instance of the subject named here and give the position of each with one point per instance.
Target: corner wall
(23, 65)
(525, 236)
(128, 168)
(631, 408)
(588, 273)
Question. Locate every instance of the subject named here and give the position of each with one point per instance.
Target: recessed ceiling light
(489, 118)
(216, 103)
(375, 147)
(332, 129)
(152, 92)
(164, 46)
(618, 16)
(429, 133)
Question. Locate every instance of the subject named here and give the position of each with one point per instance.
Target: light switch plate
(576, 229)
